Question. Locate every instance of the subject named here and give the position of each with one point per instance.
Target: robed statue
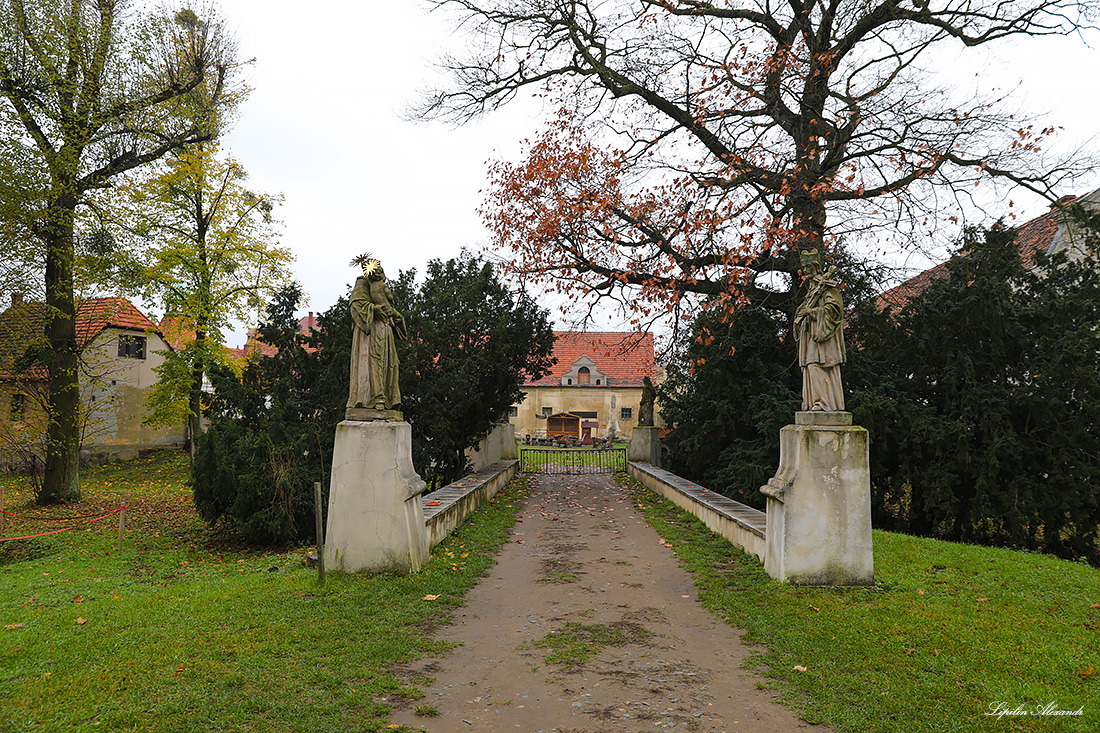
(819, 329)
(378, 325)
(645, 411)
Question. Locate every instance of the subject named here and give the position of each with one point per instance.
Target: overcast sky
(324, 126)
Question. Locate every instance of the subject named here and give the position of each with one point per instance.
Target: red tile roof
(176, 331)
(1033, 237)
(306, 324)
(95, 314)
(27, 320)
(625, 357)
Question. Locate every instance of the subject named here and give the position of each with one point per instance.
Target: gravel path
(582, 554)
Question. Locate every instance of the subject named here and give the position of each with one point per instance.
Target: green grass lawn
(947, 632)
(183, 630)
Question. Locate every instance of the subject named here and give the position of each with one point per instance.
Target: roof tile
(625, 357)
(1034, 236)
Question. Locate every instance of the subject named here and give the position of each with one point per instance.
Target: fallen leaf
(13, 627)
(799, 668)
(982, 600)
(82, 621)
(430, 597)
(434, 503)
(685, 596)
(936, 652)
(78, 599)
(815, 608)
(920, 591)
(519, 542)
(909, 651)
(1087, 671)
(1094, 605)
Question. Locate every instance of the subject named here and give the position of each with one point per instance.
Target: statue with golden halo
(378, 325)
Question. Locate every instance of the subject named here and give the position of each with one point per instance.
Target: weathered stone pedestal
(819, 503)
(375, 515)
(645, 445)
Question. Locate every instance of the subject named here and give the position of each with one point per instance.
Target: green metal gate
(572, 460)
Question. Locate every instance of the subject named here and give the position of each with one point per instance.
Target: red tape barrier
(53, 519)
(66, 529)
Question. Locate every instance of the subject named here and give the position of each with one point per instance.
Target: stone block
(375, 514)
(819, 505)
(645, 445)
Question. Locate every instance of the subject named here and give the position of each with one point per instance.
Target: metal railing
(572, 460)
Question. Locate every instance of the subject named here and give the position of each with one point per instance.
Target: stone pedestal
(645, 445)
(375, 515)
(819, 503)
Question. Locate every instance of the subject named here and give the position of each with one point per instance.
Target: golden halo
(368, 263)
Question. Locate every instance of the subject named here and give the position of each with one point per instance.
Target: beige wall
(113, 389)
(606, 402)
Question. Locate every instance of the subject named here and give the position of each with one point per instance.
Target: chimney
(310, 321)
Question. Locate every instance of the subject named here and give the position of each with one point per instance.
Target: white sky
(324, 127)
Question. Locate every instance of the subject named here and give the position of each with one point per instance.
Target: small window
(597, 381)
(584, 376)
(18, 406)
(626, 413)
(131, 346)
(568, 382)
(548, 411)
(513, 411)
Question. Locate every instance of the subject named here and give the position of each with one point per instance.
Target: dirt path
(584, 564)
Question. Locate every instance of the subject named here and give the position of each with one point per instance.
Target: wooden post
(121, 526)
(320, 532)
(2, 515)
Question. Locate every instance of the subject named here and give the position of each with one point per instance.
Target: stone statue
(819, 329)
(645, 412)
(378, 325)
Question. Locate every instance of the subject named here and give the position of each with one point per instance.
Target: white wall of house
(114, 388)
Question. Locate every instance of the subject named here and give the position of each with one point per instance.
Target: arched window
(584, 376)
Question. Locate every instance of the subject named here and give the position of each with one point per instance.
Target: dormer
(584, 374)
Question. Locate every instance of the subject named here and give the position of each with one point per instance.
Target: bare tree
(90, 89)
(700, 144)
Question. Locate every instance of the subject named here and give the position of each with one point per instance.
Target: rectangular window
(131, 346)
(513, 411)
(578, 413)
(548, 411)
(18, 406)
(626, 413)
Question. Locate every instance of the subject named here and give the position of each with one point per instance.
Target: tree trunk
(61, 481)
(194, 401)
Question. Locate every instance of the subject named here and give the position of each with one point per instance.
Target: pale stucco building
(594, 390)
(120, 348)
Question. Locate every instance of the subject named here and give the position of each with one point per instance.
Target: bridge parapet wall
(742, 525)
(459, 500)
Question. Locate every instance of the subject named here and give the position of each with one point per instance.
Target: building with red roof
(253, 345)
(1051, 232)
(593, 391)
(120, 349)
